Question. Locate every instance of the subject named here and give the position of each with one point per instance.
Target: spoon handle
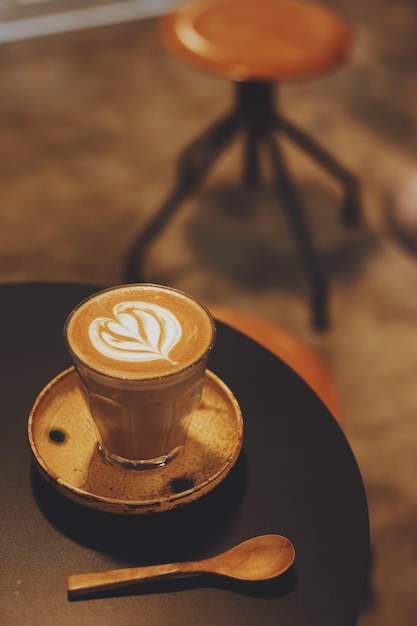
(78, 584)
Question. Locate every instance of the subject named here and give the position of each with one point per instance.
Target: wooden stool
(256, 44)
(294, 352)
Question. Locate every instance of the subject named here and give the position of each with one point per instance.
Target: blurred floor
(91, 123)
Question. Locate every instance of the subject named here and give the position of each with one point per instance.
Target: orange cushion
(273, 40)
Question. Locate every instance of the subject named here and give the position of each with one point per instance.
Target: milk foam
(139, 332)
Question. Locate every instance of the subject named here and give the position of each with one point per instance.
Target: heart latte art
(138, 332)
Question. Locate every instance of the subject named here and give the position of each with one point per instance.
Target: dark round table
(296, 476)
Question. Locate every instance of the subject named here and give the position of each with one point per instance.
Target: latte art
(138, 332)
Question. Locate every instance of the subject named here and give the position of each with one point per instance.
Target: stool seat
(273, 40)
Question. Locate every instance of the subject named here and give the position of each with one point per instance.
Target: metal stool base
(255, 115)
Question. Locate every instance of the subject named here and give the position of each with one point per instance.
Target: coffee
(140, 331)
(141, 352)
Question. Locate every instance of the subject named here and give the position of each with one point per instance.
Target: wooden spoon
(259, 558)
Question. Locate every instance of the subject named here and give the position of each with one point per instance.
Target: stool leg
(193, 164)
(294, 213)
(251, 169)
(350, 209)
(255, 107)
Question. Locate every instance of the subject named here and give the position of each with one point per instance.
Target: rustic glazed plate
(62, 437)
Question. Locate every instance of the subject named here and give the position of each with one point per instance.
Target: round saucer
(63, 441)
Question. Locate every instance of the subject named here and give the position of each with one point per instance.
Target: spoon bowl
(259, 558)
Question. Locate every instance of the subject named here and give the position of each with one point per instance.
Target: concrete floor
(91, 123)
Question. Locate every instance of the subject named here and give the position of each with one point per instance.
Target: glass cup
(141, 353)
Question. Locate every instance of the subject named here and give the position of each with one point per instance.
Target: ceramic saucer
(63, 441)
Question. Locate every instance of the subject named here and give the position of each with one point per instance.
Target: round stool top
(273, 40)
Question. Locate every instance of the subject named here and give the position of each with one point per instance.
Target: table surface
(296, 476)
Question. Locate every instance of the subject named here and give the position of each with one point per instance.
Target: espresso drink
(141, 353)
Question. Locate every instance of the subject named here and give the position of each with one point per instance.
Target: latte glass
(141, 354)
